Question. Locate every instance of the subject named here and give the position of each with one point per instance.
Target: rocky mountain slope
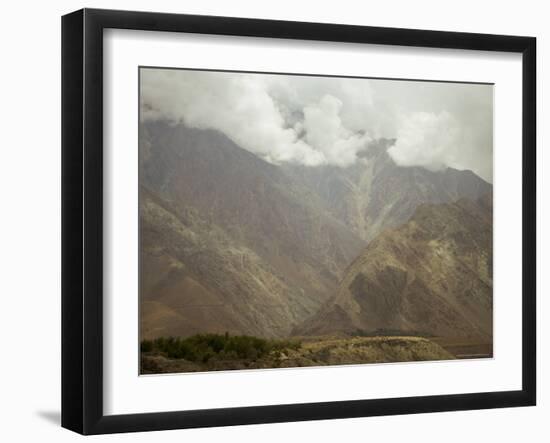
(375, 193)
(194, 278)
(255, 233)
(431, 276)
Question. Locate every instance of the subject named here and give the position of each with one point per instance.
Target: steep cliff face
(431, 276)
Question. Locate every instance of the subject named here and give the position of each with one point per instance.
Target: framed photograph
(269, 221)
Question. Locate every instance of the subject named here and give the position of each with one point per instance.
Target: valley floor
(318, 351)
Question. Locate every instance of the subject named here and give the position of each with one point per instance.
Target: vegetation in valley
(207, 352)
(204, 347)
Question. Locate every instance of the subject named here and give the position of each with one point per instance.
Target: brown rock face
(431, 276)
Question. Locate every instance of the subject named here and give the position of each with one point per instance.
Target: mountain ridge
(411, 278)
(376, 193)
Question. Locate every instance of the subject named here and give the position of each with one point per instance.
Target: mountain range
(232, 243)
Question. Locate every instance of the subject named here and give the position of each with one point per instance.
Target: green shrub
(205, 347)
(146, 346)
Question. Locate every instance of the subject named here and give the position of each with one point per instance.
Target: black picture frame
(82, 220)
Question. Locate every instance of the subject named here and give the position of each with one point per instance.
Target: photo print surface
(297, 220)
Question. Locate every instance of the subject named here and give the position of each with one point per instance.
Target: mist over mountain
(319, 120)
(376, 193)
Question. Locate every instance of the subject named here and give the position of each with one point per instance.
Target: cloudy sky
(321, 120)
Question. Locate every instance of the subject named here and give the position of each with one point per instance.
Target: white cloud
(440, 124)
(323, 120)
(427, 139)
(237, 105)
(324, 130)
